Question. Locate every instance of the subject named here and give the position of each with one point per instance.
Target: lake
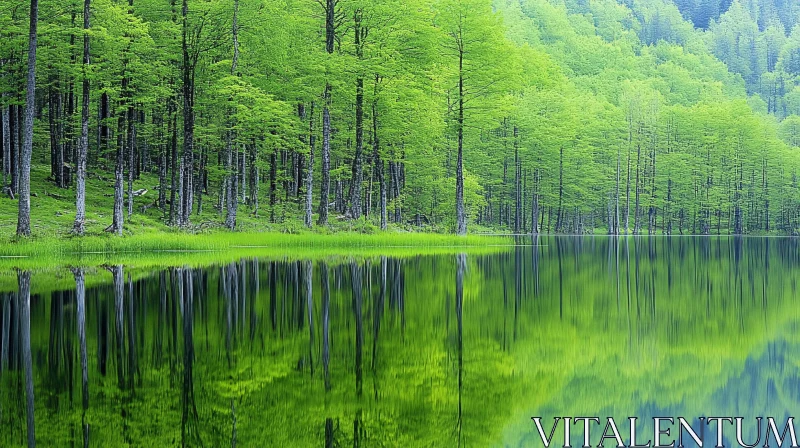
(449, 349)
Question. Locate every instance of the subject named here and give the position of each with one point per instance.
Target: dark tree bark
(24, 215)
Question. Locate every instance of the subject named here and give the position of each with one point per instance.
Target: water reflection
(449, 350)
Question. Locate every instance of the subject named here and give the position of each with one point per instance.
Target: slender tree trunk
(83, 147)
(230, 176)
(357, 169)
(326, 160)
(24, 215)
(379, 168)
(187, 171)
(636, 219)
(6, 128)
(461, 217)
(330, 31)
(24, 279)
(131, 148)
(517, 183)
(118, 219)
(312, 143)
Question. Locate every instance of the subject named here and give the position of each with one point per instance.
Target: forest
(528, 116)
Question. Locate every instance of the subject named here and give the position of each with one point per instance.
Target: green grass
(147, 241)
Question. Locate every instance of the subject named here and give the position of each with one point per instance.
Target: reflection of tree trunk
(308, 268)
(80, 299)
(233, 424)
(461, 261)
(378, 310)
(189, 416)
(24, 280)
(6, 332)
(119, 322)
(273, 294)
(228, 274)
(326, 304)
(356, 274)
(328, 432)
(132, 364)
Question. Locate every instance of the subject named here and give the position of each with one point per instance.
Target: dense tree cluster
(529, 115)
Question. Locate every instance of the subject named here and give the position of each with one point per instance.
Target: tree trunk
(187, 171)
(330, 30)
(83, 147)
(312, 143)
(131, 148)
(24, 215)
(379, 166)
(326, 160)
(461, 217)
(118, 219)
(6, 129)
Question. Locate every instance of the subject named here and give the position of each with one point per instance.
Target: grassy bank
(274, 231)
(236, 241)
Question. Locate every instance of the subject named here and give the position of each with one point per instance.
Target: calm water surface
(428, 351)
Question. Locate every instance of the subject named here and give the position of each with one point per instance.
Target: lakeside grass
(227, 241)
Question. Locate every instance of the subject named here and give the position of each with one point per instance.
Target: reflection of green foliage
(572, 326)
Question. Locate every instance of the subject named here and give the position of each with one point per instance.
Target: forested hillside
(567, 116)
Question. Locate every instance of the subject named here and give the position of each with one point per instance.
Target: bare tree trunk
(24, 215)
(461, 216)
(357, 170)
(330, 34)
(379, 166)
(6, 129)
(312, 143)
(118, 219)
(230, 172)
(130, 146)
(83, 148)
(326, 160)
(187, 162)
(24, 280)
